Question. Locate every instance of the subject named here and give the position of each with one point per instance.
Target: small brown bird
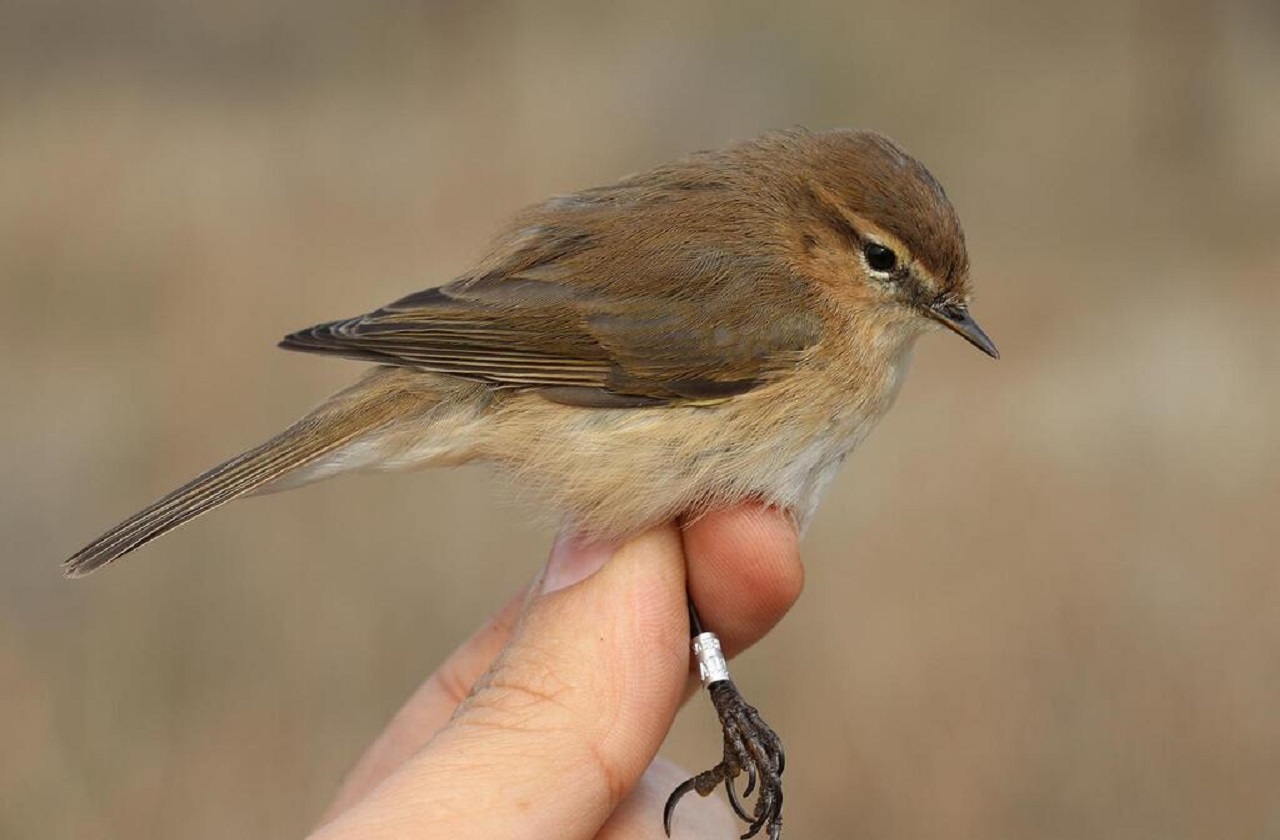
(723, 328)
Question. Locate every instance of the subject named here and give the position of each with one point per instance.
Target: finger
(429, 708)
(573, 711)
(744, 571)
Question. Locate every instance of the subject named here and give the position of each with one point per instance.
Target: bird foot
(750, 746)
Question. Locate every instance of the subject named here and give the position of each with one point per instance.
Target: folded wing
(590, 323)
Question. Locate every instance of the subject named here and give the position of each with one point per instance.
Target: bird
(721, 328)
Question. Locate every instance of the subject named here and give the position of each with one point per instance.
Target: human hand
(547, 722)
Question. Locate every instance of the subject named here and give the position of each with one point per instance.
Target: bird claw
(735, 802)
(750, 746)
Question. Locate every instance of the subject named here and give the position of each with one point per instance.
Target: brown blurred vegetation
(1043, 599)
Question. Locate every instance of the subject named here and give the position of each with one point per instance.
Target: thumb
(575, 708)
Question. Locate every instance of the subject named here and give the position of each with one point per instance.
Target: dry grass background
(1043, 600)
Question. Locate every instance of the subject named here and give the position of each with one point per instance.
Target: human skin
(547, 722)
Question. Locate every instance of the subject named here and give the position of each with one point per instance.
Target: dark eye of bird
(880, 258)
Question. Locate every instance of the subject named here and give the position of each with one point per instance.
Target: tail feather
(347, 416)
(237, 477)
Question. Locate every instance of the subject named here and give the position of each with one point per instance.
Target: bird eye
(880, 258)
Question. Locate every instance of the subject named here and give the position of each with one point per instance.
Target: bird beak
(956, 317)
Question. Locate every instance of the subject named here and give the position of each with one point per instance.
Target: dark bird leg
(750, 746)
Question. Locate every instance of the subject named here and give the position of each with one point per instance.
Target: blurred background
(1043, 599)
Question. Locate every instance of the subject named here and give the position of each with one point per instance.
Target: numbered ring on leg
(712, 666)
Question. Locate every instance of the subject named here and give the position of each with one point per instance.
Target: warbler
(725, 327)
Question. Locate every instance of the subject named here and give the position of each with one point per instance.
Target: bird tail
(347, 416)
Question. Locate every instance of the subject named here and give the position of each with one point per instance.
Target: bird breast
(611, 472)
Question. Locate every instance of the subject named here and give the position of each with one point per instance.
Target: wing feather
(596, 315)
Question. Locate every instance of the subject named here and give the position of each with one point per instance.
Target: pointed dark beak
(956, 317)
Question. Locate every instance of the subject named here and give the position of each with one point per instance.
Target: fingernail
(573, 560)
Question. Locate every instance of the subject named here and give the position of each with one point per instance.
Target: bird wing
(627, 325)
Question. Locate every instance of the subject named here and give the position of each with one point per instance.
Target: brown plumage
(723, 327)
